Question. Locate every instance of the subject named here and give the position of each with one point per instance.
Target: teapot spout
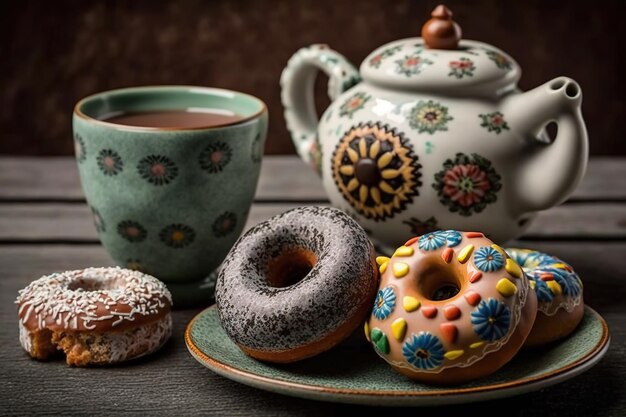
(549, 171)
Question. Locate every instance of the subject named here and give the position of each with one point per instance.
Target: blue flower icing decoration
(537, 263)
(453, 238)
(423, 351)
(491, 319)
(432, 241)
(568, 281)
(487, 259)
(541, 288)
(385, 303)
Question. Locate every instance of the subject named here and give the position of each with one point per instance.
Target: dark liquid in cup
(173, 119)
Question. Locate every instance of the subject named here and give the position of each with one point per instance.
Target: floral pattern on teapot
(376, 170)
(436, 135)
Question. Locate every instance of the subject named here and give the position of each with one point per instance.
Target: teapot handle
(297, 95)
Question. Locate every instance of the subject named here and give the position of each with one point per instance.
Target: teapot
(433, 133)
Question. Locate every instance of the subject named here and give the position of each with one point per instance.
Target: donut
(452, 306)
(297, 284)
(96, 316)
(560, 305)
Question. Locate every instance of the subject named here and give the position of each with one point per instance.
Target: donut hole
(290, 267)
(89, 284)
(438, 283)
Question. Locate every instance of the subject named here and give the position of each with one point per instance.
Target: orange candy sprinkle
(449, 332)
(411, 241)
(447, 254)
(429, 311)
(451, 312)
(476, 275)
(472, 297)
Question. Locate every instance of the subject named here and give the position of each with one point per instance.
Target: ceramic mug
(169, 201)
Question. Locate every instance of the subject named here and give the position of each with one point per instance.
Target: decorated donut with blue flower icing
(559, 289)
(452, 306)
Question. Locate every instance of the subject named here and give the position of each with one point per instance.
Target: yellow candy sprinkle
(499, 249)
(381, 260)
(383, 267)
(410, 303)
(533, 284)
(453, 354)
(513, 268)
(477, 345)
(554, 287)
(404, 251)
(465, 253)
(506, 287)
(366, 329)
(559, 265)
(400, 269)
(398, 329)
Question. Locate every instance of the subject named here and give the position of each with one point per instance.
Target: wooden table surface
(45, 226)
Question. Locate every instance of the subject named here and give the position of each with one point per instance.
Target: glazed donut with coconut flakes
(452, 307)
(96, 316)
(559, 295)
(297, 284)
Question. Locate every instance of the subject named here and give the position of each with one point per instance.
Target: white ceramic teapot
(433, 133)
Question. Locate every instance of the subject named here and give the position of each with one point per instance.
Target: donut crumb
(96, 348)
(42, 347)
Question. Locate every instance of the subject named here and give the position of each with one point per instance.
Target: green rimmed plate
(353, 373)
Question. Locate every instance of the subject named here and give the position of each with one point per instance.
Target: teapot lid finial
(441, 32)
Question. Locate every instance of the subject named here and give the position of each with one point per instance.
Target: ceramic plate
(353, 373)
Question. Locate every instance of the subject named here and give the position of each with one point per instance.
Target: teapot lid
(441, 62)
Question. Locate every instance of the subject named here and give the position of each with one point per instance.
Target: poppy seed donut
(297, 284)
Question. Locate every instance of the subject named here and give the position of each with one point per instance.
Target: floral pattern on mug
(461, 68)
(79, 148)
(494, 122)
(110, 162)
(177, 235)
(215, 157)
(412, 64)
(157, 169)
(353, 104)
(500, 60)
(136, 265)
(224, 224)
(377, 59)
(467, 184)
(131, 231)
(429, 116)
(375, 170)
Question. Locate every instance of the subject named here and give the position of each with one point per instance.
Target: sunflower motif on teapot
(376, 170)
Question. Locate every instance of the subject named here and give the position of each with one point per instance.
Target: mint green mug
(170, 201)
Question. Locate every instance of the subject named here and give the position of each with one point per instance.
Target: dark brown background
(55, 52)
